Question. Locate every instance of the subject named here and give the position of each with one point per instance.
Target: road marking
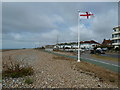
(91, 60)
(102, 62)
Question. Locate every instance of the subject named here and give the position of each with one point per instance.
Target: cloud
(103, 24)
(101, 27)
(50, 35)
(33, 24)
(42, 22)
(16, 36)
(27, 19)
(85, 33)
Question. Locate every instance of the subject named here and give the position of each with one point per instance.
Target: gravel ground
(50, 72)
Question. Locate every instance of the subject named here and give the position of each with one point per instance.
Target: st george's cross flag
(85, 15)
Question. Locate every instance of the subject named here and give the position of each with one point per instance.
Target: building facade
(107, 43)
(116, 37)
(88, 45)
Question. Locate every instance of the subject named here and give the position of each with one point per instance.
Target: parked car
(97, 51)
(100, 52)
(104, 49)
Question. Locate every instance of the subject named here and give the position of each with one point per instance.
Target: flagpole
(78, 39)
(88, 15)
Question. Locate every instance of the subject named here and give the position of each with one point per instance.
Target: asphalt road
(88, 56)
(112, 55)
(111, 65)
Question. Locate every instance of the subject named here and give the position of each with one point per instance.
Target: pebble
(53, 74)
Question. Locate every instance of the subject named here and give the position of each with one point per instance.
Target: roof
(81, 42)
(106, 42)
(89, 42)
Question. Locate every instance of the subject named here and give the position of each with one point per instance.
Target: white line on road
(102, 62)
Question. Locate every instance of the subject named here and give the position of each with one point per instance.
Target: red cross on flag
(85, 15)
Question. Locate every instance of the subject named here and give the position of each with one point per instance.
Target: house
(64, 45)
(74, 45)
(107, 43)
(116, 37)
(88, 45)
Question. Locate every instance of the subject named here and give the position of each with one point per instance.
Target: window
(112, 36)
(115, 35)
(118, 40)
(114, 41)
(119, 35)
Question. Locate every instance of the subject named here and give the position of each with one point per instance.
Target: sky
(31, 24)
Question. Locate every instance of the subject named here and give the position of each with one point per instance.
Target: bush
(18, 72)
(28, 80)
(16, 69)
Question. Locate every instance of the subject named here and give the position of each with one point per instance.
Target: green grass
(100, 72)
(28, 80)
(93, 70)
(105, 58)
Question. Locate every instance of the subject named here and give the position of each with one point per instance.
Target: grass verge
(105, 58)
(29, 80)
(103, 74)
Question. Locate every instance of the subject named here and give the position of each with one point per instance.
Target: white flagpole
(78, 39)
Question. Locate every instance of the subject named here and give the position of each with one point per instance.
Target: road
(111, 55)
(88, 56)
(111, 65)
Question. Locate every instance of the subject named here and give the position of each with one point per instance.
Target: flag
(85, 15)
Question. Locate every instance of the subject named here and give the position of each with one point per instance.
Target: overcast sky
(29, 24)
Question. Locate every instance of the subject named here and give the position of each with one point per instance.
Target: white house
(116, 37)
(88, 45)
